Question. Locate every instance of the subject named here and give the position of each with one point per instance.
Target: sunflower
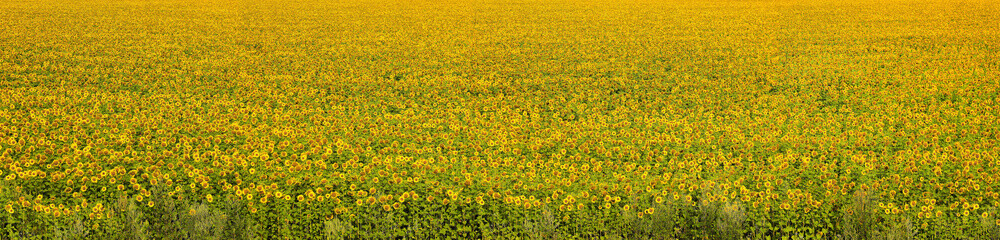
(9, 208)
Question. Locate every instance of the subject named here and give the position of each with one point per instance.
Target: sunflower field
(499, 119)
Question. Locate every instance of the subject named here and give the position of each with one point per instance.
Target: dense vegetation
(202, 119)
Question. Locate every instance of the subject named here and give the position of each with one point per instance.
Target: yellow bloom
(627, 207)
(209, 197)
(649, 211)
